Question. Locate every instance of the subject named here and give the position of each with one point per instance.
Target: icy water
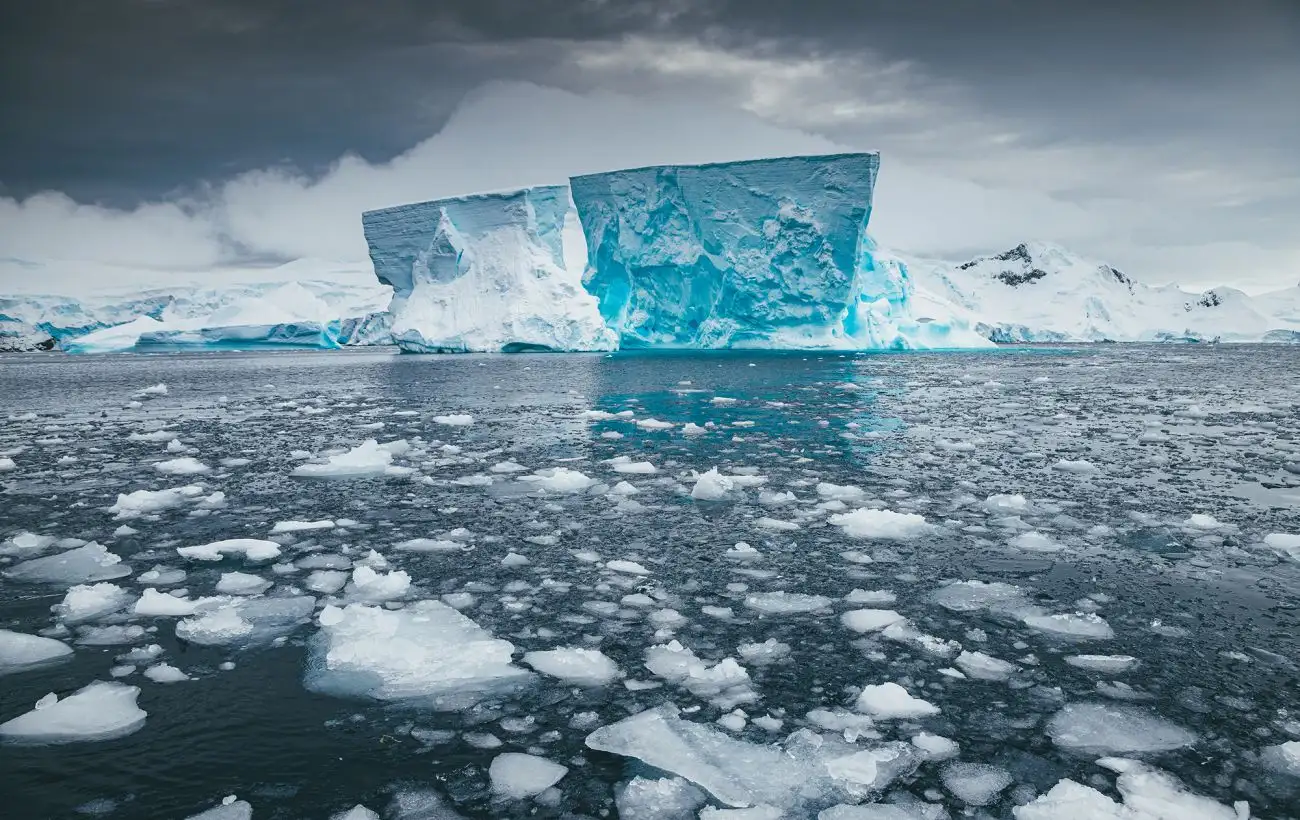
(1113, 501)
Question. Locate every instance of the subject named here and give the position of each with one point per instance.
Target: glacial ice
(98, 711)
(86, 564)
(1102, 728)
(665, 798)
(425, 653)
(889, 701)
(483, 273)
(581, 667)
(769, 253)
(85, 602)
(20, 651)
(1148, 794)
(517, 776)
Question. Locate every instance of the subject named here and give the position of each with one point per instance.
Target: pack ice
(483, 273)
(769, 253)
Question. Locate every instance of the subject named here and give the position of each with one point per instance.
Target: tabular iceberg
(483, 273)
(769, 253)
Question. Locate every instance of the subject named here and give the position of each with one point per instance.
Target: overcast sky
(1162, 136)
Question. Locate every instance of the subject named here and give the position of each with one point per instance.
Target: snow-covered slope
(18, 336)
(1042, 292)
(769, 253)
(483, 273)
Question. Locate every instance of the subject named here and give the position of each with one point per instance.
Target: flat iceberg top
(493, 208)
(868, 156)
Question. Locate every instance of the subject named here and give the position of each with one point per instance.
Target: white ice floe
(869, 620)
(785, 603)
(302, 526)
(1104, 664)
(580, 667)
(975, 784)
(870, 597)
(980, 666)
(1034, 541)
(7, 464)
(1148, 794)
(559, 480)
(517, 776)
(628, 567)
(1106, 728)
(231, 808)
(252, 549)
(242, 583)
(1283, 757)
(765, 653)
(215, 627)
(627, 466)
(238, 621)
(369, 458)
(840, 492)
(20, 651)
(98, 711)
(85, 564)
(1076, 626)
(1006, 503)
(454, 420)
(165, 673)
(889, 701)
(935, 747)
(1080, 467)
(881, 524)
(712, 486)
(359, 812)
(86, 602)
(147, 502)
(368, 584)
(155, 604)
(1284, 544)
(185, 465)
(427, 653)
(665, 798)
(725, 684)
(326, 581)
(975, 596)
(1201, 521)
(27, 544)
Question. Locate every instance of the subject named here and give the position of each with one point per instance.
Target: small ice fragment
(253, 549)
(242, 583)
(881, 524)
(869, 620)
(581, 667)
(1104, 728)
(1080, 626)
(98, 711)
(935, 747)
(302, 526)
(165, 673)
(976, 784)
(517, 776)
(712, 486)
(889, 701)
(454, 420)
(984, 667)
(20, 651)
(1104, 664)
(85, 564)
(182, 466)
(629, 567)
(785, 603)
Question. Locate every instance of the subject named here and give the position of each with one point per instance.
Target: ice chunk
(155, 604)
(517, 776)
(667, 798)
(20, 651)
(244, 620)
(876, 811)
(369, 458)
(868, 597)
(85, 564)
(1102, 728)
(253, 549)
(935, 747)
(973, 596)
(165, 673)
(889, 701)
(98, 711)
(241, 583)
(483, 273)
(881, 524)
(427, 653)
(146, 502)
(1286, 544)
(869, 620)
(711, 486)
(357, 812)
(979, 666)
(26, 544)
(1284, 757)
(1077, 626)
(302, 526)
(85, 602)
(182, 466)
(581, 667)
(215, 627)
(629, 567)
(1105, 664)
(559, 480)
(725, 684)
(976, 784)
(763, 253)
(1148, 793)
(230, 809)
(369, 585)
(785, 603)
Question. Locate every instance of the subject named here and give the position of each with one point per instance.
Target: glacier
(484, 273)
(768, 253)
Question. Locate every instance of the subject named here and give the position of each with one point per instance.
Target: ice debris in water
(369, 458)
(665, 798)
(1104, 664)
(85, 602)
(1283, 757)
(881, 524)
(454, 420)
(725, 684)
(155, 604)
(980, 666)
(20, 651)
(358, 812)
(1148, 794)
(165, 673)
(976, 784)
(185, 465)
(711, 486)
(580, 667)
(302, 526)
(26, 544)
(242, 583)
(869, 620)
(1284, 544)
(231, 808)
(1077, 626)
(370, 585)
(1103, 728)
(98, 711)
(974, 596)
(253, 549)
(245, 620)
(889, 701)
(559, 480)
(145, 502)
(518, 776)
(425, 653)
(785, 603)
(85, 564)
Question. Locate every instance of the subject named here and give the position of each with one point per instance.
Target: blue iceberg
(484, 273)
(769, 253)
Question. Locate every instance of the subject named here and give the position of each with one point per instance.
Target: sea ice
(20, 651)
(302, 526)
(665, 798)
(98, 711)
(712, 486)
(1104, 728)
(427, 652)
(155, 604)
(785, 603)
(580, 667)
(975, 784)
(517, 776)
(165, 673)
(869, 620)
(369, 585)
(974, 596)
(230, 809)
(146, 502)
(1077, 626)
(889, 701)
(242, 583)
(979, 666)
(559, 480)
(253, 549)
(185, 465)
(369, 458)
(881, 524)
(1283, 757)
(1105, 664)
(725, 684)
(1148, 794)
(86, 602)
(85, 564)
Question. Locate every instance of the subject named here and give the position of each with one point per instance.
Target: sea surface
(1131, 489)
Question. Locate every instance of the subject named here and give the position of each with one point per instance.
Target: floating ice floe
(725, 684)
(86, 602)
(1283, 758)
(302, 526)
(629, 567)
(245, 621)
(663, 798)
(155, 604)
(231, 808)
(1104, 728)
(1148, 794)
(869, 620)
(85, 564)
(252, 549)
(1076, 626)
(559, 480)
(517, 776)
(980, 666)
(426, 653)
(1104, 664)
(785, 603)
(882, 524)
(975, 596)
(454, 420)
(185, 465)
(580, 667)
(20, 651)
(1284, 544)
(242, 583)
(146, 502)
(712, 486)
(165, 673)
(975, 784)
(27, 544)
(889, 701)
(369, 458)
(360, 812)
(98, 711)
(369, 585)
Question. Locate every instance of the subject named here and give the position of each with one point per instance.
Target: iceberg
(768, 253)
(483, 273)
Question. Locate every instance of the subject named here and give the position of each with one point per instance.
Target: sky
(147, 138)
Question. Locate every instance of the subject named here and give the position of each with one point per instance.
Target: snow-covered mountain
(1038, 292)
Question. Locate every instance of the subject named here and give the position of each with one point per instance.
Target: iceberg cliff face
(766, 253)
(483, 273)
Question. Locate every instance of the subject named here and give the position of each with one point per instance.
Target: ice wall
(483, 273)
(763, 253)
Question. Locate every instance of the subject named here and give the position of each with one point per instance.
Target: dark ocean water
(1113, 449)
